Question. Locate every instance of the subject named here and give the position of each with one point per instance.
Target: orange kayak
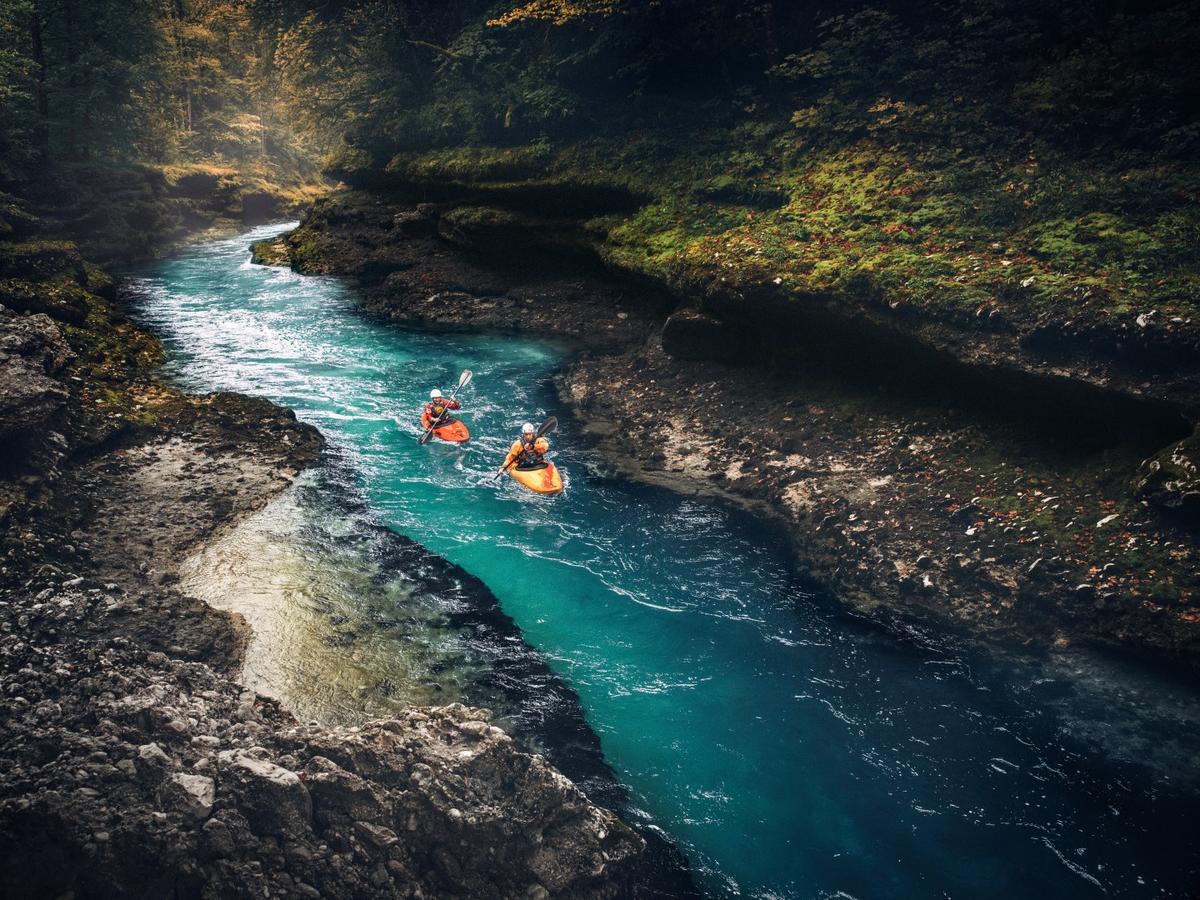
(543, 479)
(453, 430)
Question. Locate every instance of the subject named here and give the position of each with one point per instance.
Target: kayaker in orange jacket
(439, 405)
(528, 450)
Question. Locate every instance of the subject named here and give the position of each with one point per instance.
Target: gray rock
(1170, 480)
(272, 798)
(152, 761)
(191, 795)
(32, 352)
(218, 840)
(340, 796)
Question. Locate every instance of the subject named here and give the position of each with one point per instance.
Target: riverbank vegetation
(1000, 160)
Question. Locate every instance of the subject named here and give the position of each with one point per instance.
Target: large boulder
(191, 795)
(340, 797)
(32, 352)
(273, 799)
(1171, 479)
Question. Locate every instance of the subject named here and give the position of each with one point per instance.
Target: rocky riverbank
(131, 762)
(911, 481)
(422, 267)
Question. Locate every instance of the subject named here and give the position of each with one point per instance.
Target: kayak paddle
(463, 380)
(548, 426)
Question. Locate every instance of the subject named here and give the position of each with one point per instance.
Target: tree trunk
(178, 18)
(72, 79)
(41, 125)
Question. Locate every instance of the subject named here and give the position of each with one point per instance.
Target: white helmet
(435, 394)
(528, 428)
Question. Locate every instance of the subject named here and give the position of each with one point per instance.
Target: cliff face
(1030, 498)
(858, 245)
(130, 760)
(128, 771)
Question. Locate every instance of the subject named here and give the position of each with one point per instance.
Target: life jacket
(436, 408)
(529, 455)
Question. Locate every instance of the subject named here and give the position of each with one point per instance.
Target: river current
(787, 748)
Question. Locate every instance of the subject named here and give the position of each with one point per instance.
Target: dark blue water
(790, 750)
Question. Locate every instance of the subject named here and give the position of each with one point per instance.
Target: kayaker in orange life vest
(438, 405)
(528, 450)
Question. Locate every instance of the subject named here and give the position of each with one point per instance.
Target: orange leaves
(556, 12)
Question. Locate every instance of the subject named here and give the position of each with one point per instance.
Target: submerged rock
(271, 252)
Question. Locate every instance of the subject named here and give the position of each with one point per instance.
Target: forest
(986, 122)
(190, 79)
(599, 448)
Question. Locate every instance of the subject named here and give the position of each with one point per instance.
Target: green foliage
(970, 158)
(474, 164)
(129, 80)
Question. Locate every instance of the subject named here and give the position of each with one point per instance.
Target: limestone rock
(272, 798)
(1171, 479)
(32, 352)
(192, 795)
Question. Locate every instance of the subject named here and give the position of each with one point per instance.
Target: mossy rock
(473, 164)
(42, 261)
(730, 191)
(349, 164)
(471, 226)
(196, 184)
(99, 282)
(15, 222)
(271, 252)
(63, 300)
(1171, 479)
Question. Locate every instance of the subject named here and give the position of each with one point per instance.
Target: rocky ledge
(123, 213)
(914, 484)
(131, 762)
(423, 267)
(127, 772)
(897, 506)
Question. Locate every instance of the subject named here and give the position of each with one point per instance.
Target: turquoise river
(787, 748)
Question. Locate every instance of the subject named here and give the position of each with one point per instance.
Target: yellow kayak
(541, 479)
